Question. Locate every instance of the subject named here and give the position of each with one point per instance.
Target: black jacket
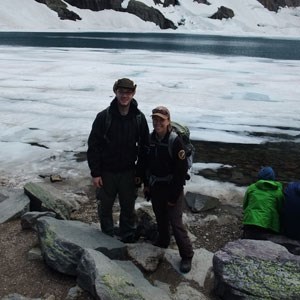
(160, 164)
(120, 147)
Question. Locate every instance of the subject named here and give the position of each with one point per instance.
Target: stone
(223, 13)
(29, 219)
(74, 293)
(62, 243)
(201, 264)
(45, 197)
(115, 280)
(186, 292)
(146, 223)
(252, 269)
(198, 202)
(61, 9)
(35, 254)
(13, 204)
(146, 255)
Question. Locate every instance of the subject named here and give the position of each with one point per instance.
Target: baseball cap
(124, 83)
(162, 112)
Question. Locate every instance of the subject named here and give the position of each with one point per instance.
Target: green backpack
(184, 133)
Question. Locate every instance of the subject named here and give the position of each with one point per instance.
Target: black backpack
(108, 123)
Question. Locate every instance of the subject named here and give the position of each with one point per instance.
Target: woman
(166, 177)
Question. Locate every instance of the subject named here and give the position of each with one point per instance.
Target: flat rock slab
(45, 197)
(201, 264)
(13, 203)
(62, 243)
(114, 280)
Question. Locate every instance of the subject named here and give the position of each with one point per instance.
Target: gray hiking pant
(119, 184)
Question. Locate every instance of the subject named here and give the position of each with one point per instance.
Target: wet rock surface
(243, 161)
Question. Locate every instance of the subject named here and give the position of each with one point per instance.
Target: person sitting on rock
(290, 216)
(262, 206)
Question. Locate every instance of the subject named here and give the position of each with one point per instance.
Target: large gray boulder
(45, 197)
(63, 242)
(13, 203)
(114, 280)
(250, 269)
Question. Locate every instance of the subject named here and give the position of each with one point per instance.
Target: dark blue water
(188, 43)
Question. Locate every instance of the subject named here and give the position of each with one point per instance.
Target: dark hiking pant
(119, 184)
(170, 215)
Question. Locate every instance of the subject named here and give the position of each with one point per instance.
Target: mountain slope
(250, 18)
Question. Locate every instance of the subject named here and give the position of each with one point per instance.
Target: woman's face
(160, 125)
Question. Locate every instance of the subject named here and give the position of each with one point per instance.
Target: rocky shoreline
(212, 229)
(241, 162)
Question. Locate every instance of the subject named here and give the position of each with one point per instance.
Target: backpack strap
(173, 135)
(139, 123)
(107, 124)
(108, 120)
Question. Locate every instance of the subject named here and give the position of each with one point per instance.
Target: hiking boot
(160, 244)
(129, 239)
(185, 265)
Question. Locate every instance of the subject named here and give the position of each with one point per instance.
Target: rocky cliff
(141, 10)
(274, 5)
(147, 13)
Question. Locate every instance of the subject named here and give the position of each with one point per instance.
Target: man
(116, 157)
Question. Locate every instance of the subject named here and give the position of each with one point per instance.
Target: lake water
(203, 44)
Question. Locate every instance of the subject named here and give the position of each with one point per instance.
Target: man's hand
(97, 182)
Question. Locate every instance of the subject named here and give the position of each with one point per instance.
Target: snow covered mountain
(250, 18)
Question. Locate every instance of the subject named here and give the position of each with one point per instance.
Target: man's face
(124, 96)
